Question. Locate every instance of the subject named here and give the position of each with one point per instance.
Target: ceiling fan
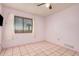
(48, 5)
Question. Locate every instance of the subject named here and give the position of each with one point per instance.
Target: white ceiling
(40, 10)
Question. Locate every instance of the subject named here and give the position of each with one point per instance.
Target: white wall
(11, 39)
(0, 7)
(0, 37)
(0, 29)
(63, 28)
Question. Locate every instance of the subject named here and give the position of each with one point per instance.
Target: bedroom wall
(0, 37)
(0, 29)
(11, 39)
(63, 28)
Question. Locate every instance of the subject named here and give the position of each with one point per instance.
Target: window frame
(23, 18)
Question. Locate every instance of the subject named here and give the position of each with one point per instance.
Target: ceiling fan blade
(40, 4)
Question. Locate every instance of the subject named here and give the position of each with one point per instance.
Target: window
(23, 25)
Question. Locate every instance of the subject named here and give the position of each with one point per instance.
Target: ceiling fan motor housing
(50, 7)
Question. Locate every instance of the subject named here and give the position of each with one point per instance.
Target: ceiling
(39, 10)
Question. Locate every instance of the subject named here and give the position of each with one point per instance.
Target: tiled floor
(39, 49)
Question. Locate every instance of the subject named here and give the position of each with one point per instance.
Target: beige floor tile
(76, 54)
(55, 54)
(41, 54)
(16, 51)
(39, 49)
(8, 52)
(23, 51)
(68, 53)
(2, 52)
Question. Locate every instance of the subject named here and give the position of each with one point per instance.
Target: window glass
(23, 25)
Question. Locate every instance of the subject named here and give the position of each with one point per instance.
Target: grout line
(27, 51)
(20, 51)
(63, 52)
(4, 52)
(12, 51)
(1, 51)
